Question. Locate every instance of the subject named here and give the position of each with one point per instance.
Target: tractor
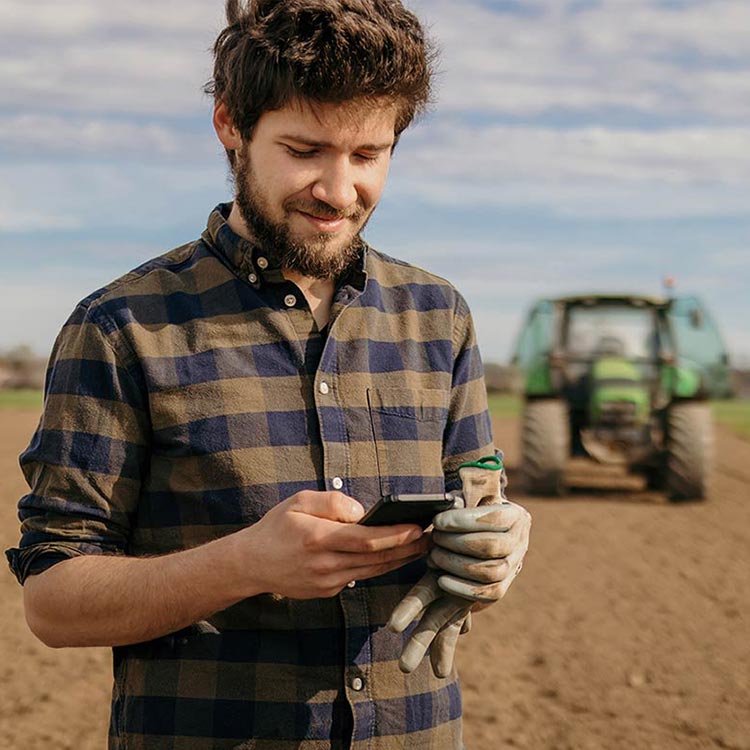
(624, 380)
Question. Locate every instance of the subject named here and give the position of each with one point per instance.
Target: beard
(319, 256)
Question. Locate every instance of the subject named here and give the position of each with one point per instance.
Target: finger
(485, 593)
(334, 506)
(364, 559)
(466, 628)
(475, 569)
(440, 613)
(485, 518)
(373, 539)
(421, 595)
(357, 567)
(481, 544)
(373, 571)
(443, 649)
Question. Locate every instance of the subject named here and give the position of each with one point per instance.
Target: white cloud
(49, 18)
(17, 219)
(84, 55)
(638, 55)
(585, 172)
(107, 196)
(673, 156)
(36, 135)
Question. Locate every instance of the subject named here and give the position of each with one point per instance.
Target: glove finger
(463, 566)
(485, 545)
(481, 486)
(422, 594)
(486, 593)
(443, 612)
(500, 517)
(443, 649)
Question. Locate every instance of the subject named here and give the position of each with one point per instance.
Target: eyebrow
(326, 144)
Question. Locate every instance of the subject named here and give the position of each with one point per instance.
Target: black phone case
(417, 509)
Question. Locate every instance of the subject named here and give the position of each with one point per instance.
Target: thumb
(333, 506)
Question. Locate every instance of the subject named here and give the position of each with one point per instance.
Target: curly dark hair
(323, 51)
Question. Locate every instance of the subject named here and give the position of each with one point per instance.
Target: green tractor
(624, 380)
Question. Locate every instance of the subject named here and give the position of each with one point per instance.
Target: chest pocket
(407, 427)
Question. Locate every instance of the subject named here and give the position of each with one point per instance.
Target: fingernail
(357, 510)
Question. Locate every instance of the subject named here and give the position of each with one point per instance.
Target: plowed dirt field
(629, 628)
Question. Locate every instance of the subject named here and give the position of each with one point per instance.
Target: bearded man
(218, 420)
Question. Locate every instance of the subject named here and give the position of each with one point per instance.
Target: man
(217, 420)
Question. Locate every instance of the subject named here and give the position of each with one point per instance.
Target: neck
(318, 293)
(237, 224)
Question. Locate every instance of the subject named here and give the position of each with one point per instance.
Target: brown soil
(629, 628)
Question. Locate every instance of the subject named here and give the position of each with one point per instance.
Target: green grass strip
(504, 404)
(735, 414)
(21, 398)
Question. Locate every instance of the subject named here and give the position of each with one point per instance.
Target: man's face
(309, 179)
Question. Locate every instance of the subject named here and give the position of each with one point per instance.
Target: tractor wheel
(545, 446)
(689, 451)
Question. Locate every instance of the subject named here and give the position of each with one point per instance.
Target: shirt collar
(252, 264)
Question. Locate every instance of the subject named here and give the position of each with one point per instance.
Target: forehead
(346, 124)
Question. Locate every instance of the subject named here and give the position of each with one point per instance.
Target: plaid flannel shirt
(193, 394)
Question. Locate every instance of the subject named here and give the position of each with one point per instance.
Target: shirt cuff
(29, 561)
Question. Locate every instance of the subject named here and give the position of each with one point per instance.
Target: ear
(226, 132)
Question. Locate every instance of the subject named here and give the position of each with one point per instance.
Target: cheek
(372, 188)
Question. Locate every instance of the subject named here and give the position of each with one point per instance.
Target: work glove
(479, 549)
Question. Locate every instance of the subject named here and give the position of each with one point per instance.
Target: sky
(574, 146)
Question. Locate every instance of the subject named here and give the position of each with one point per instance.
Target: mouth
(323, 224)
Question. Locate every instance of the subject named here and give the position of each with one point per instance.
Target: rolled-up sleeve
(87, 458)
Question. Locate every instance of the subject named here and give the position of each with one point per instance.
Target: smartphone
(416, 508)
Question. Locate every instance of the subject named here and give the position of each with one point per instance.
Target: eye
(366, 157)
(299, 154)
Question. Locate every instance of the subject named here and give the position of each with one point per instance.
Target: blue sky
(575, 145)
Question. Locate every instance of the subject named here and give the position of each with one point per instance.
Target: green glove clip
(493, 463)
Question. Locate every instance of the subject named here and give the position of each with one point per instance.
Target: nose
(335, 185)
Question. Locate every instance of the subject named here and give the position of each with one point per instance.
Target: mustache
(323, 211)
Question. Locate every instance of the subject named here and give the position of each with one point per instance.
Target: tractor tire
(690, 445)
(545, 439)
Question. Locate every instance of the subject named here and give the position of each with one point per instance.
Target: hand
(310, 546)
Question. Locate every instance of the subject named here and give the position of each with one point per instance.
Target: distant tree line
(20, 367)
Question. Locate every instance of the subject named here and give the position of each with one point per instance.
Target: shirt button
(290, 300)
(358, 683)
(252, 278)
(337, 483)
(262, 263)
(324, 389)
